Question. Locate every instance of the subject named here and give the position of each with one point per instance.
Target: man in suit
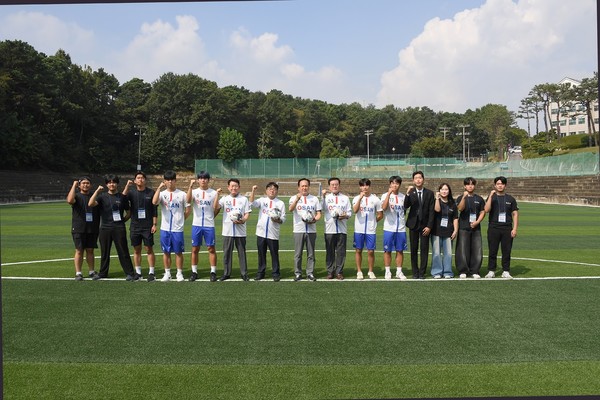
(420, 202)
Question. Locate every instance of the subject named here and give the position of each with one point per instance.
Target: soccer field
(534, 335)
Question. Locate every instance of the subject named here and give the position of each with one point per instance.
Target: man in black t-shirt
(502, 228)
(85, 222)
(143, 222)
(469, 249)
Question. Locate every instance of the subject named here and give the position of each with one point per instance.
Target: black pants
(499, 237)
(418, 239)
(240, 245)
(469, 251)
(118, 235)
(335, 252)
(273, 245)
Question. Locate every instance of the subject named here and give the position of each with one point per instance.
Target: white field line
(289, 251)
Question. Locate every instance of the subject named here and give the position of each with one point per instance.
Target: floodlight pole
(444, 129)
(464, 134)
(368, 133)
(139, 135)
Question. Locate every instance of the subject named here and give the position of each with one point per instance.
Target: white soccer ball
(335, 213)
(235, 215)
(274, 213)
(307, 216)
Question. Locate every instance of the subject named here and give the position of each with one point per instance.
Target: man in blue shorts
(394, 228)
(174, 210)
(205, 206)
(367, 212)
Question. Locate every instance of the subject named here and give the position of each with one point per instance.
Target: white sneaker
(388, 276)
(437, 276)
(506, 275)
(180, 278)
(372, 275)
(476, 276)
(166, 278)
(448, 277)
(462, 276)
(490, 275)
(400, 276)
(359, 276)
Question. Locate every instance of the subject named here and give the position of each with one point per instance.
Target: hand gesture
(254, 188)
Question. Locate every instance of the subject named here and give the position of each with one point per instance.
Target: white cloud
(262, 49)
(160, 47)
(493, 54)
(46, 33)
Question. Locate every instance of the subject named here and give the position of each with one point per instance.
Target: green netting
(359, 167)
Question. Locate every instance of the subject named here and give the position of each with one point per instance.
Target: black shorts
(138, 236)
(85, 240)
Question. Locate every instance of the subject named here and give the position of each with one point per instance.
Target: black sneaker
(96, 277)
(194, 276)
(92, 274)
(297, 278)
(213, 276)
(223, 278)
(130, 278)
(151, 278)
(78, 277)
(259, 278)
(245, 278)
(311, 277)
(276, 279)
(137, 277)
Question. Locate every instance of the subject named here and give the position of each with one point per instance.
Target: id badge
(116, 216)
(141, 213)
(89, 217)
(472, 217)
(502, 217)
(444, 223)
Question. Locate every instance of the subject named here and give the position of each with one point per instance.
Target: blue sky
(449, 55)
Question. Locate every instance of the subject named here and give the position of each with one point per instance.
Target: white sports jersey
(365, 220)
(228, 205)
(265, 226)
(393, 216)
(341, 204)
(203, 202)
(172, 207)
(308, 203)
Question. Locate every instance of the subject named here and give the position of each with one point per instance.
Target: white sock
(387, 269)
(168, 271)
(213, 269)
(78, 273)
(151, 271)
(179, 271)
(138, 270)
(398, 269)
(195, 268)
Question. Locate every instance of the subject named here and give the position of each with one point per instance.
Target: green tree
(232, 145)
(433, 147)
(495, 119)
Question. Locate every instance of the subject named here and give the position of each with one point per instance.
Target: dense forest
(61, 116)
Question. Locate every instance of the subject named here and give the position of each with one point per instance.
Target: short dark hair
(203, 175)
(418, 173)
(140, 173)
(333, 179)
(501, 179)
(303, 179)
(236, 180)
(274, 184)
(111, 178)
(364, 182)
(170, 175)
(470, 180)
(396, 178)
(85, 178)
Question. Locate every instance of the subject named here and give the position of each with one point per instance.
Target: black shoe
(194, 276)
(259, 278)
(130, 278)
(78, 277)
(276, 279)
(213, 277)
(245, 278)
(151, 278)
(224, 278)
(311, 277)
(297, 278)
(92, 274)
(97, 277)
(137, 277)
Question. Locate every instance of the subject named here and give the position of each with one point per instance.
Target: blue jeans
(441, 251)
